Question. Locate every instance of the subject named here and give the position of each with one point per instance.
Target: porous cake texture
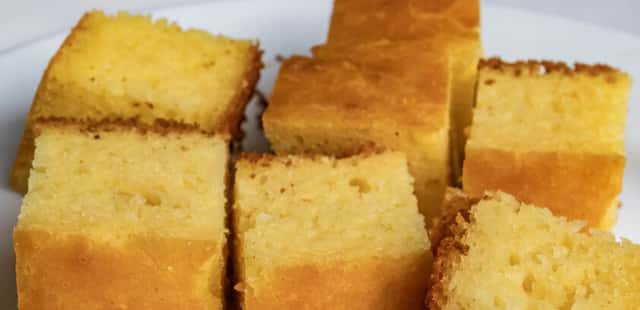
(504, 254)
(325, 233)
(125, 66)
(396, 19)
(119, 217)
(551, 135)
(380, 95)
(452, 25)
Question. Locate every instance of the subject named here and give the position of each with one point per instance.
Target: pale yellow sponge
(119, 217)
(503, 254)
(325, 233)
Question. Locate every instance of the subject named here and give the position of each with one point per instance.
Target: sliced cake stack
(378, 95)
(126, 66)
(396, 75)
(452, 25)
(126, 154)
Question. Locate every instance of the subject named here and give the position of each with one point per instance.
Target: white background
(26, 20)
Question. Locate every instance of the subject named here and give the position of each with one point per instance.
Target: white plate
(288, 26)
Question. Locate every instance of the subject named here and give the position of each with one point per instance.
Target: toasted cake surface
(387, 95)
(402, 19)
(523, 257)
(539, 131)
(454, 25)
(125, 66)
(313, 232)
(167, 73)
(137, 213)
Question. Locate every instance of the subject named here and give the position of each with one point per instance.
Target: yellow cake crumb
(124, 217)
(325, 233)
(503, 254)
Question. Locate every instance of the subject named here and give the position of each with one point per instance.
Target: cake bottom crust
(374, 283)
(576, 186)
(71, 271)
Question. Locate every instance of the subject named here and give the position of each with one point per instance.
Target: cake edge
(449, 228)
(545, 67)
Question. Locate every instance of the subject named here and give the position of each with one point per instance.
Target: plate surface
(287, 27)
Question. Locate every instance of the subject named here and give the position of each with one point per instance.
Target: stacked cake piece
(378, 95)
(396, 75)
(126, 154)
(452, 25)
(125, 66)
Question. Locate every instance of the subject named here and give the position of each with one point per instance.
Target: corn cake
(400, 19)
(126, 66)
(454, 25)
(523, 257)
(550, 135)
(325, 233)
(384, 95)
(119, 217)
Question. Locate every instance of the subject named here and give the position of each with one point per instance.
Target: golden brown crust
(543, 67)
(577, 186)
(455, 202)
(449, 247)
(266, 159)
(159, 126)
(364, 20)
(359, 87)
(64, 271)
(18, 179)
(374, 283)
(233, 118)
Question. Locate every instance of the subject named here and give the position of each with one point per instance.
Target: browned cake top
(159, 126)
(543, 67)
(386, 84)
(402, 19)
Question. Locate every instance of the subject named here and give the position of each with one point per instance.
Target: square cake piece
(386, 94)
(447, 24)
(550, 135)
(402, 19)
(118, 217)
(126, 66)
(523, 257)
(325, 233)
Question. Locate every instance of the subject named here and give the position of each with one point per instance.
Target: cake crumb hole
(362, 185)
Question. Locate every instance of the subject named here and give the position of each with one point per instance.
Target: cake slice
(325, 233)
(454, 25)
(119, 217)
(126, 66)
(396, 19)
(550, 135)
(503, 254)
(386, 94)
